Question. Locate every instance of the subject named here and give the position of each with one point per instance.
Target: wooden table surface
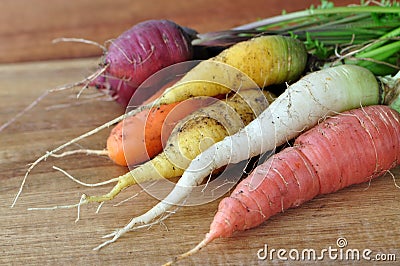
(366, 215)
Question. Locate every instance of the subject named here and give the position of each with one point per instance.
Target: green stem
(380, 53)
(384, 38)
(316, 12)
(366, 34)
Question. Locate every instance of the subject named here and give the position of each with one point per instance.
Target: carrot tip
(194, 250)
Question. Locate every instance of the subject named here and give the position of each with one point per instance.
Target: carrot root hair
(84, 82)
(81, 151)
(129, 227)
(80, 40)
(87, 134)
(101, 96)
(77, 205)
(112, 180)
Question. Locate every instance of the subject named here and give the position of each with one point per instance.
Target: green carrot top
(366, 34)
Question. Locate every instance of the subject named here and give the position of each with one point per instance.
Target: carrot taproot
(123, 88)
(139, 138)
(191, 136)
(265, 60)
(301, 106)
(318, 163)
(261, 62)
(258, 62)
(139, 52)
(147, 47)
(119, 144)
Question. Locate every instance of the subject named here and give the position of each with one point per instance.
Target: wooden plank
(26, 34)
(366, 215)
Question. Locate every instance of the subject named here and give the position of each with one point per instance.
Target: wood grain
(366, 215)
(26, 34)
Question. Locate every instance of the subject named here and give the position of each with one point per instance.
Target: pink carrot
(318, 163)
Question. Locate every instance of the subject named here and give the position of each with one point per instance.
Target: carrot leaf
(356, 33)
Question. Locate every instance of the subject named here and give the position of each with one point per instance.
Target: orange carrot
(139, 138)
(318, 163)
